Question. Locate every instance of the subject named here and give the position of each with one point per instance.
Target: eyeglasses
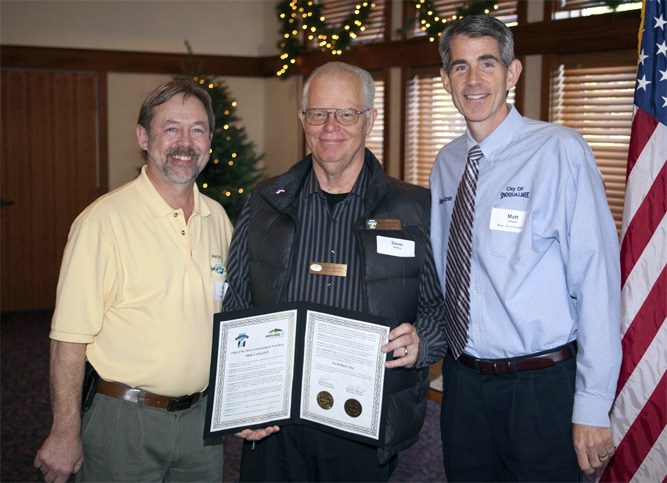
(345, 117)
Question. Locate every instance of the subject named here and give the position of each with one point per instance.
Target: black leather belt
(494, 367)
(125, 393)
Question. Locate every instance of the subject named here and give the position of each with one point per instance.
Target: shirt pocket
(508, 228)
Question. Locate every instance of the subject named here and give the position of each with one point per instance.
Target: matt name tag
(323, 268)
(503, 219)
(383, 224)
(395, 247)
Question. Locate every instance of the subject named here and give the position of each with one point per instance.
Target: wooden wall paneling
(138, 62)
(49, 168)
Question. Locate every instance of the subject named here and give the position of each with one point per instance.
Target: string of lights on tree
(301, 18)
(232, 169)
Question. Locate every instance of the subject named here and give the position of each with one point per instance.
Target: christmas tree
(232, 170)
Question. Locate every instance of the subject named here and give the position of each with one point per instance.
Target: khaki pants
(125, 441)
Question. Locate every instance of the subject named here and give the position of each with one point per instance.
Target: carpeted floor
(26, 416)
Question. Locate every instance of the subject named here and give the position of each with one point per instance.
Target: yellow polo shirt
(140, 286)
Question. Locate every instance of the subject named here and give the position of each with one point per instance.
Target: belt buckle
(479, 368)
(484, 367)
(179, 403)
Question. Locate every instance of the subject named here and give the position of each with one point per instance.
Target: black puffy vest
(392, 283)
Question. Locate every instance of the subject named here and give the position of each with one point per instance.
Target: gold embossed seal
(353, 408)
(325, 400)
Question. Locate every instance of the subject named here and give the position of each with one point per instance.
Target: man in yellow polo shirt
(142, 275)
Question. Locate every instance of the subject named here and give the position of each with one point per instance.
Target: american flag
(639, 414)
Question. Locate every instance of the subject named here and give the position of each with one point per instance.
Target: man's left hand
(403, 340)
(593, 445)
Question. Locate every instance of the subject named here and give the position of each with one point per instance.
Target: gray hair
(475, 26)
(336, 69)
(181, 86)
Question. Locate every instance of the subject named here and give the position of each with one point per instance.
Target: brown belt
(125, 393)
(493, 367)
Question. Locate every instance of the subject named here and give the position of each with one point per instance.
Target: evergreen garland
(305, 16)
(297, 16)
(433, 24)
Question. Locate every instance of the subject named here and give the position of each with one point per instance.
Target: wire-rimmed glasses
(345, 116)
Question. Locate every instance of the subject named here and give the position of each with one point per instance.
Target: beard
(175, 171)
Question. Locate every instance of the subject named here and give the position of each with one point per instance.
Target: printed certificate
(343, 373)
(298, 364)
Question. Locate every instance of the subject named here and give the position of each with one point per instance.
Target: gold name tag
(383, 224)
(322, 268)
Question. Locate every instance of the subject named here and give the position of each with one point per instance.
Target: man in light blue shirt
(529, 397)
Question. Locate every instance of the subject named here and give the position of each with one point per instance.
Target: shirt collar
(156, 204)
(501, 136)
(312, 186)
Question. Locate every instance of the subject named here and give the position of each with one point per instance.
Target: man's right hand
(59, 457)
(257, 434)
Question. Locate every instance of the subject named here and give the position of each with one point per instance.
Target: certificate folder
(298, 363)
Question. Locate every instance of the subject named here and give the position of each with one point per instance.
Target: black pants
(299, 453)
(510, 427)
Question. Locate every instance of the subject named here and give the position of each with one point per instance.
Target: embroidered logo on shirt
(216, 265)
(514, 192)
(446, 198)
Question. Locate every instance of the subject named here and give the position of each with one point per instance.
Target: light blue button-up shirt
(545, 264)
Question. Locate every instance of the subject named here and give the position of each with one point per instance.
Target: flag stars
(642, 83)
(664, 75)
(662, 48)
(660, 22)
(664, 101)
(642, 56)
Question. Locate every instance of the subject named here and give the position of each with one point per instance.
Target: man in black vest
(335, 208)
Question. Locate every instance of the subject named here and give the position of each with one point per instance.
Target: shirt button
(474, 288)
(333, 252)
(182, 232)
(477, 327)
(175, 215)
(329, 285)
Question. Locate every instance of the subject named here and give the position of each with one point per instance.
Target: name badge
(503, 219)
(219, 289)
(323, 268)
(383, 224)
(395, 247)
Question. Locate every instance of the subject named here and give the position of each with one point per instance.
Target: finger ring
(406, 350)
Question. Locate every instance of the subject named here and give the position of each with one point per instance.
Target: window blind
(582, 8)
(432, 121)
(597, 101)
(375, 140)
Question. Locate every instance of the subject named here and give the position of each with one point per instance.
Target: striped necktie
(459, 253)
